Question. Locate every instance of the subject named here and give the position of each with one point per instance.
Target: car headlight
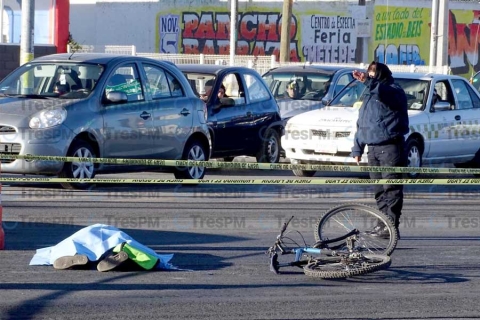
(48, 118)
(290, 127)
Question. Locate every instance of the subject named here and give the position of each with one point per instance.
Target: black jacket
(383, 115)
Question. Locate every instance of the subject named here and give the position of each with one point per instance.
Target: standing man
(382, 124)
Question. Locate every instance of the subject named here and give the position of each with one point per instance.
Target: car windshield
(351, 94)
(66, 80)
(354, 92)
(475, 81)
(201, 83)
(298, 85)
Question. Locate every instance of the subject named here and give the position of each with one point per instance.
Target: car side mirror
(441, 106)
(325, 101)
(116, 97)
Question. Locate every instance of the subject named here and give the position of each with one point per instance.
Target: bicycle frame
(317, 249)
(274, 265)
(350, 254)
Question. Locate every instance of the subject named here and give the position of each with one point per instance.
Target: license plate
(5, 148)
(326, 148)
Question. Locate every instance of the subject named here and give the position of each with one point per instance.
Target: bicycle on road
(344, 246)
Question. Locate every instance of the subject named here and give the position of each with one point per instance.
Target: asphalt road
(218, 235)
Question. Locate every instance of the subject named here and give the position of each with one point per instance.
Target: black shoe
(379, 231)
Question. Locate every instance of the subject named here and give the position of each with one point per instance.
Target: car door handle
(145, 115)
(458, 117)
(185, 112)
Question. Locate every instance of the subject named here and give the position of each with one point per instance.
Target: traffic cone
(2, 233)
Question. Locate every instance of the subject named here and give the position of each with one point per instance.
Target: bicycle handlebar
(278, 242)
(284, 227)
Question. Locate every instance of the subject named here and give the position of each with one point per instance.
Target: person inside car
(177, 90)
(208, 90)
(292, 90)
(436, 97)
(61, 88)
(221, 92)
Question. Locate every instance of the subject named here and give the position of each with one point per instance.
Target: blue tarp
(94, 241)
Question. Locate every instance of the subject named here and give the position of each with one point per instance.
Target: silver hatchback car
(100, 105)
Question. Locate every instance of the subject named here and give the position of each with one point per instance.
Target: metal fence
(128, 50)
(393, 68)
(260, 63)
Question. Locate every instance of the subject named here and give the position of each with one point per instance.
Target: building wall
(184, 26)
(402, 31)
(10, 56)
(12, 24)
(322, 31)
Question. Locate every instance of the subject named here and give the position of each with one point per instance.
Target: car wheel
(270, 149)
(304, 173)
(414, 157)
(194, 151)
(78, 170)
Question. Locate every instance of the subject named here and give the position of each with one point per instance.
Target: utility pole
(433, 35)
(442, 52)
(1, 21)
(285, 33)
(233, 30)
(26, 41)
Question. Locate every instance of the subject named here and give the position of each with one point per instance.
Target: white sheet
(93, 241)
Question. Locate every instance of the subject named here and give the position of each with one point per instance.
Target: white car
(444, 127)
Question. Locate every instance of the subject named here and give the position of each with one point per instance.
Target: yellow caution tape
(249, 181)
(245, 165)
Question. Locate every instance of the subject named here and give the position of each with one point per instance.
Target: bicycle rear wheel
(340, 220)
(338, 268)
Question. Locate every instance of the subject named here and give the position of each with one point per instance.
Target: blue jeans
(389, 197)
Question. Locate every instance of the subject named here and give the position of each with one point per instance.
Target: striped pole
(2, 233)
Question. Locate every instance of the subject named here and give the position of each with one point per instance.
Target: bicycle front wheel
(338, 268)
(340, 220)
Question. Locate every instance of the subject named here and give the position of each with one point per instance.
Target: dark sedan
(243, 116)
